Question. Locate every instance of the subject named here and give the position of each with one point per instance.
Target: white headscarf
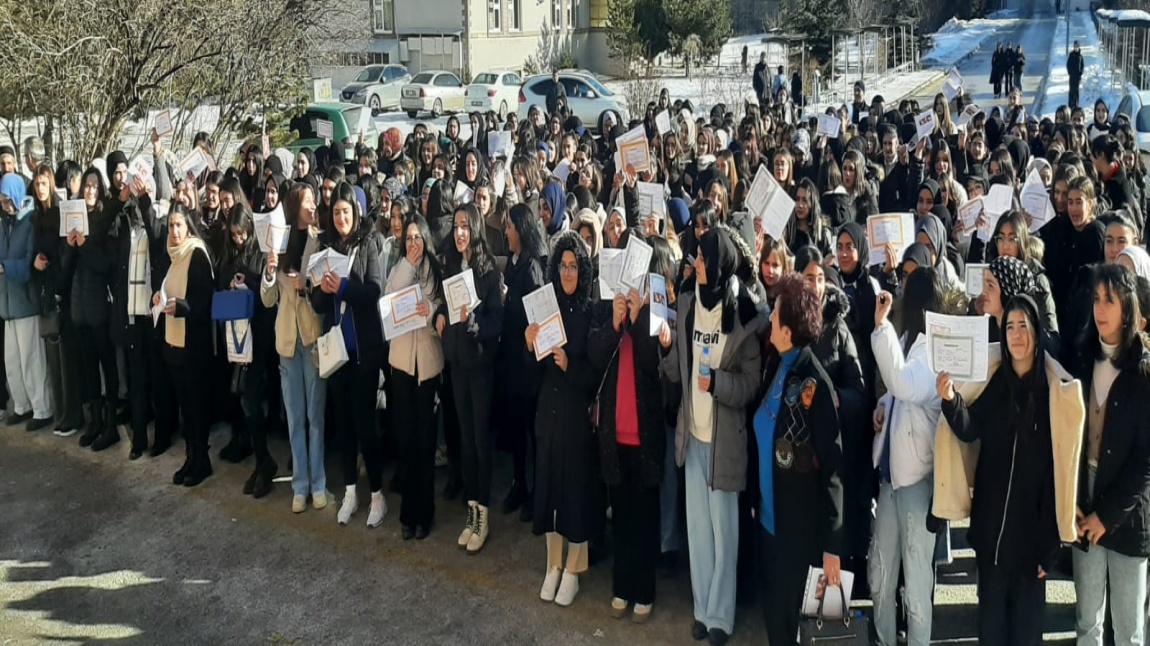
(1140, 258)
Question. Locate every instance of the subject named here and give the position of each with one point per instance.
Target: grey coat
(735, 382)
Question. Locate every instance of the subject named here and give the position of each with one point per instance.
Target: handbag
(593, 409)
(332, 349)
(49, 315)
(233, 305)
(238, 339)
(850, 630)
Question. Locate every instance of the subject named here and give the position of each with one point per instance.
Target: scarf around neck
(176, 285)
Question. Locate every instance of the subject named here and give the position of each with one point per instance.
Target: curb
(1039, 103)
(977, 48)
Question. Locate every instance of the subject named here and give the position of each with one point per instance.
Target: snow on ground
(1096, 80)
(957, 38)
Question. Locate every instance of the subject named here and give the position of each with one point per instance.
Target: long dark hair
(343, 192)
(1027, 391)
(1118, 282)
(482, 260)
(428, 250)
(532, 243)
(1017, 220)
(922, 293)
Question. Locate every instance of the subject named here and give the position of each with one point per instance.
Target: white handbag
(332, 349)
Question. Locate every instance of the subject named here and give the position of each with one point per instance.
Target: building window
(571, 14)
(383, 16)
(360, 59)
(494, 15)
(516, 15)
(556, 14)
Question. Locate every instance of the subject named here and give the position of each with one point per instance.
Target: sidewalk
(1096, 78)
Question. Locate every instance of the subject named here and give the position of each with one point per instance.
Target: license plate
(477, 103)
(410, 93)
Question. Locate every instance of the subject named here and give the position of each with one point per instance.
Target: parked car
(435, 92)
(377, 86)
(345, 120)
(586, 96)
(1135, 104)
(494, 91)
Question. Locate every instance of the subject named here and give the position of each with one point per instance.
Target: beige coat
(955, 461)
(295, 315)
(418, 353)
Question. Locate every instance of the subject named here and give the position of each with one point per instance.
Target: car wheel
(503, 111)
(411, 114)
(436, 109)
(374, 103)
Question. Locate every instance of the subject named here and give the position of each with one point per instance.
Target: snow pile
(958, 38)
(1096, 80)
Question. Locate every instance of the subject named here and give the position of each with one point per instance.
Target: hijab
(918, 254)
(557, 202)
(719, 257)
(1140, 258)
(936, 233)
(858, 237)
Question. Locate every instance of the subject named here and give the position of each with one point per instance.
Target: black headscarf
(720, 257)
(858, 238)
(918, 254)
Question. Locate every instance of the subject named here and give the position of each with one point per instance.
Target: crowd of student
(793, 396)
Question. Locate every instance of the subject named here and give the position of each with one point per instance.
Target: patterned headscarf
(394, 187)
(1013, 276)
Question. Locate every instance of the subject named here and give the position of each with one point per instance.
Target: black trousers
(143, 367)
(520, 418)
(97, 354)
(255, 393)
(782, 575)
(473, 398)
(635, 531)
(353, 388)
(1074, 86)
(450, 419)
(63, 374)
(1011, 606)
(182, 388)
(413, 418)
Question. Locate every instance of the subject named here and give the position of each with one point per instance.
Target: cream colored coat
(418, 353)
(295, 315)
(955, 461)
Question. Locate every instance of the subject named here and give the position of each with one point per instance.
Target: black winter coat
(835, 350)
(196, 309)
(566, 477)
(523, 278)
(474, 343)
(120, 243)
(605, 356)
(46, 240)
(251, 262)
(361, 293)
(1013, 522)
(88, 269)
(1122, 480)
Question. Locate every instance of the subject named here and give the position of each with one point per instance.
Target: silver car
(377, 87)
(435, 92)
(587, 98)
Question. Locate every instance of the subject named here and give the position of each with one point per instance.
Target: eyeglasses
(414, 238)
(568, 269)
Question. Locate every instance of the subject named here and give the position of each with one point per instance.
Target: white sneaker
(618, 607)
(568, 588)
(65, 433)
(378, 510)
(349, 507)
(298, 504)
(641, 613)
(465, 535)
(319, 500)
(550, 584)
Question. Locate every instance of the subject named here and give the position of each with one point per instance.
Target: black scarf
(719, 256)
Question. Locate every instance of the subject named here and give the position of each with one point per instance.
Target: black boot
(265, 473)
(238, 448)
(515, 497)
(93, 423)
(110, 433)
(189, 463)
(201, 468)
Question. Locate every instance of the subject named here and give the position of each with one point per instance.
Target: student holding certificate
(469, 347)
(566, 508)
(350, 303)
(416, 360)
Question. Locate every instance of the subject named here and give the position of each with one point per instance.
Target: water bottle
(705, 363)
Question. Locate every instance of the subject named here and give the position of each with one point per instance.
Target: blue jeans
(304, 395)
(1127, 577)
(901, 537)
(712, 541)
(670, 536)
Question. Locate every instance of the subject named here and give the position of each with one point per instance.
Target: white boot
(465, 536)
(479, 530)
(568, 588)
(550, 584)
(349, 506)
(378, 510)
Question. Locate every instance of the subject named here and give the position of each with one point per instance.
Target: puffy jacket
(836, 352)
(360, 293)
(19, 294)
(89, 269)
(912, 407)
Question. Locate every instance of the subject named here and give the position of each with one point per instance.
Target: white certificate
(896, 229)
(968, 213)
(563, 169)
(767, 201)
(968, 113)
(459, 291)
(635, 263)
(195, 163)
(659, 307)
(271, 230)
(1036, 201)
(652, 200)
(463, 193)
(829, 126)
(953, 84)
(959, 345)
(73, 217)
(398, 312)
(634, 151)
(974, 279)
(541, 304)
(998, 200)
(610, 266)
(550, 336)
(325, 261)
(323, 129)
(663, 122)
(924, 125)
(164, 123)
(499, 145)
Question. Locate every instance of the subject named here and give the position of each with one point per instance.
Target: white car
(1135, 104)
(435, 92)
(377, 87)
(586, 96)
(494, 91)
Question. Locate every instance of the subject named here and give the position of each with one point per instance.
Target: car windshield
(305, 124)
(594, 83)
(486, 79)
(351, 115)
(368, 74)
(421, 79)
(1142, 123)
